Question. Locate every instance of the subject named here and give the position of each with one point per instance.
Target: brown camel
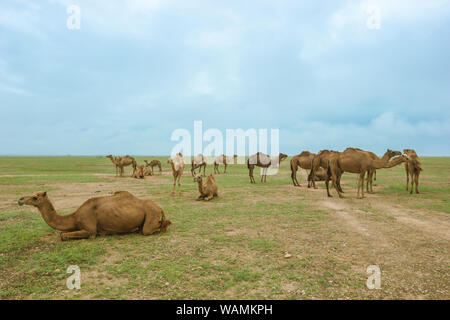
(154, 163)
(413, 168)
(198, 161)
(119, 213)
(320, 160)
(139, 172)
(355, 161)
(177, 163)
(208, 190)
(147, 170)
(372, 174)
(222, 159)
(122, 162)
(304, 161)
(263, 161)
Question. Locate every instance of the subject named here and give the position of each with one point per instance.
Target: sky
(327, 74)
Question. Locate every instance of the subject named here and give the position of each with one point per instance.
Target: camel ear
(44, 194)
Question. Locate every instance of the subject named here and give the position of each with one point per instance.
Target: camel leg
(294, 178)
(250, 174)
(80, 234)
(200, 197)
(225, 168)
(416, 181)
(204, 169)
(361, 184)
(174, 183)
(327, 182)
(209, 197)
(412, 184)
(407, 176)
(179, 183)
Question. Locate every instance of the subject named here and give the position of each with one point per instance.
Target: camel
(413, 168)
(139, 172)
(122, 162)
(263, 161)
(222, 159)
(208, 190)
(121, 212)
(302, 160)
(320, 160)
(154, 163)
(355, 161)
(147, 170)
(177, 163)
(198, 161)
(372, 175)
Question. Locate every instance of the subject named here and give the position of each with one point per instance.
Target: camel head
(35, 200)
(109, 156)
(392, 153)
(198, 177)
(409, 152)
(282, 157)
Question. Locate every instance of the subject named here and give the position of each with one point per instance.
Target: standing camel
(302, 160)
(122, 162)
(263, 161)
(177, 163)
(222, 159)
(198, 161)
(154, 163)
(413, 168)
(120, 213)
(320, 160)
(372, 174)
(355, 161)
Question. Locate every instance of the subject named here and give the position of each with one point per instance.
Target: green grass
(231, 247)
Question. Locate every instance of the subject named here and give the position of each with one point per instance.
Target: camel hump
(305, 154)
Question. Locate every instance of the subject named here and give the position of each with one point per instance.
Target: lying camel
(121, 212)
(177, 163)
(208, 190)
(198, 161)
(139, 172)
(147, 170)
(263, 161)
(154, 163)
(413, 168)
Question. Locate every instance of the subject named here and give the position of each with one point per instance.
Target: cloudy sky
(320, 71)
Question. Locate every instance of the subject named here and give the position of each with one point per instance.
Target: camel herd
(326, 165)
(122, 212)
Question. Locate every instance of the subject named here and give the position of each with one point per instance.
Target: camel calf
(208, 190)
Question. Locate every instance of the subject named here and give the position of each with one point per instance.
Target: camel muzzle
(19, 202)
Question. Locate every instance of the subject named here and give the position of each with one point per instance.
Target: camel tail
(164, 222)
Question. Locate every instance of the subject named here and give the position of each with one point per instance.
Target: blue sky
(137, 70)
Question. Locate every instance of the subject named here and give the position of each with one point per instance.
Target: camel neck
(200, 186)
(55, 220)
